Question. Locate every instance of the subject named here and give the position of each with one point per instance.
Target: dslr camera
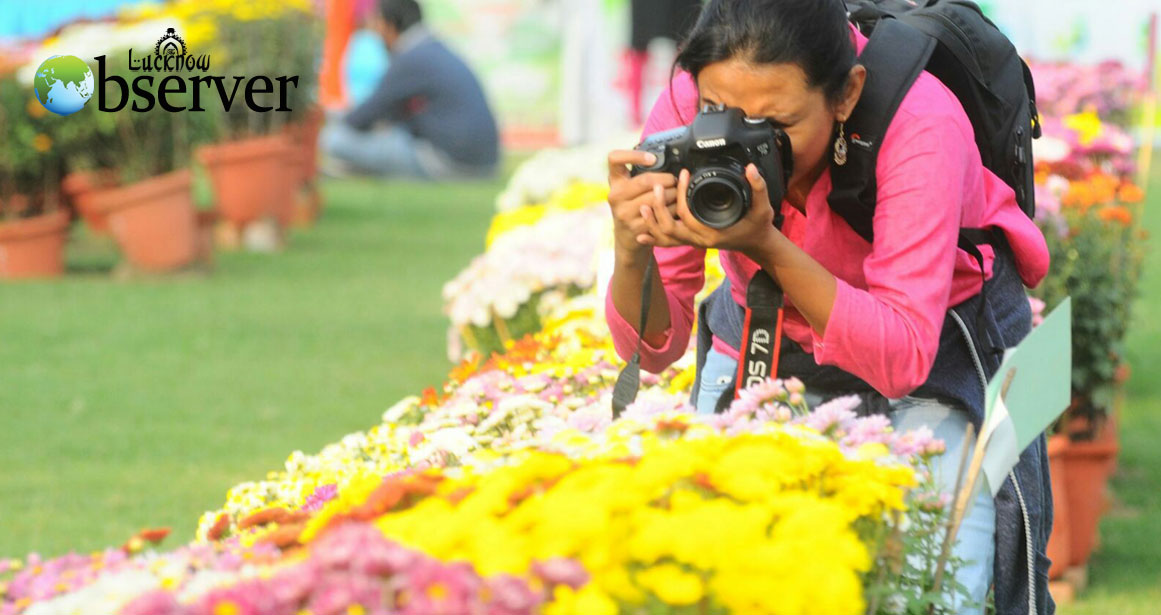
(716, 148)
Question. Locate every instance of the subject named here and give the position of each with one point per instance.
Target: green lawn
(133, 404)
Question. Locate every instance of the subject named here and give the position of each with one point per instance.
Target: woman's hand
(750, 235)
(629, 196)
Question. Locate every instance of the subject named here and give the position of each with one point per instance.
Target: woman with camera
(907, 322)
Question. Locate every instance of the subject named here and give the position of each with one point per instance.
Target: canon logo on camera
(710, 143)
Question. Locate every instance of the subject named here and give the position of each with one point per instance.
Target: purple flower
(293, 585)
(321, 495)
(647, 406)
(362, 548)
(434, 588)
(511, 596)
(591, 419)
(869, 430)
(337, 591)
(250, 597)
(157, 602)
(768, 390)
(916, 442)
(1037, 307)
(561, 571)
(834, 417)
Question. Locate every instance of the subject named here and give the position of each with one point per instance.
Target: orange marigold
(35, 109)
(1119, 213)
(41, 142)
(1130, 193)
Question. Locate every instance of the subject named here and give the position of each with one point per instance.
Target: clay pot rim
(29, 228)
(1058, 444)
(84, 180)
(1091, 448)
(242, 149)
(109, 200)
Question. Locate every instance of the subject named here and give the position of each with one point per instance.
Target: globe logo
(63, 84)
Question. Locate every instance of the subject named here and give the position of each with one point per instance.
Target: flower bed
(513, 489)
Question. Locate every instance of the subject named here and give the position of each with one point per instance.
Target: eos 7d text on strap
(761, 333)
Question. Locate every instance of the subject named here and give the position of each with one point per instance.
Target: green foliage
(527, 320)
(1125, 571)
(1097, 262)
(285, 45)
(32, 161)
(140, 144)
(912, 557)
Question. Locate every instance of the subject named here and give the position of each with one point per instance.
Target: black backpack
(955, 42)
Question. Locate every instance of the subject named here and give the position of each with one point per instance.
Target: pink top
(892, 296)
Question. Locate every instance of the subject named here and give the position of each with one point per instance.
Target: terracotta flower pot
(1088, 466)
(246, 176)
(152, 220)
(285, 192)
(304, 134)
(1060, 541)
(33, 247)
(78, 186)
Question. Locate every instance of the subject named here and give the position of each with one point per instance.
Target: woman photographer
(886, 320)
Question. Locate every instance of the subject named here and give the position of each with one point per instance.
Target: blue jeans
(975, 542)
(393, 151)
(388, 151)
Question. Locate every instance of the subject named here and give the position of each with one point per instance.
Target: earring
(840, 147)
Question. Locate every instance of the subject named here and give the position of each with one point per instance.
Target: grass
(133, 404)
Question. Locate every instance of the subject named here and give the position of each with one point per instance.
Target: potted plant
(1089, 214)
(92, 164)
(33, 222)
(256, 165)
(151, 213)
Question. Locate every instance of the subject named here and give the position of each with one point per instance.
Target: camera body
(716, 147)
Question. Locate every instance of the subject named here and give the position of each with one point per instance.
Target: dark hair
(813, 34)
(401, 13)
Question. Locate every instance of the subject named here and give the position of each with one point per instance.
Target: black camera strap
(761, 340)
(761, 333)
(629, 380)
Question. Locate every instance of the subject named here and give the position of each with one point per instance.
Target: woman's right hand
(629, 195)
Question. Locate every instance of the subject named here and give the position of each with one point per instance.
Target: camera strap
(761, 340)
(761, 332)
(629, 380)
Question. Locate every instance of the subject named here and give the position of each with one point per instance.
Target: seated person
(427, 118)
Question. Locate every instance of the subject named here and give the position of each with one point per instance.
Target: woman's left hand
(749, 235)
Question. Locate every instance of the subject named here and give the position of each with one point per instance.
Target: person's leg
(386, 151)
(975, 542)
(716, 376)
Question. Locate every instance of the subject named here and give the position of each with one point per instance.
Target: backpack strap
(894, 57)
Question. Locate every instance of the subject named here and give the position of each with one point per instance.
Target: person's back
(433, 92)
(439, 124)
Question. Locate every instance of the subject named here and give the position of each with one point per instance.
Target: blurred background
(206, 292)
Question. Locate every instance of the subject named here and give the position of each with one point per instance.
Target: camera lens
(718, 197)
